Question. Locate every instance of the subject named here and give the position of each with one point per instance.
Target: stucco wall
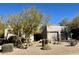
(54, 28)
(54, 32)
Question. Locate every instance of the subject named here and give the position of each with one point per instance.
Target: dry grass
(35, 49)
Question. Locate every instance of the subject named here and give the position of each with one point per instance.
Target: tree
(14, 21)
(1, 27)
(65, 31)
(64, 22)
(28, 21)
(31, 20)
(73, 27)
(74, 22)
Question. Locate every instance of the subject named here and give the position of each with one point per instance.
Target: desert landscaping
(57, 49)
(32, 32)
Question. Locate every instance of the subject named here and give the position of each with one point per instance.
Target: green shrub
(73, 42)
(22, 46)
(7, 47)
(46, 47)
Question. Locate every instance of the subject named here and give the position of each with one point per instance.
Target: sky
(56, 11)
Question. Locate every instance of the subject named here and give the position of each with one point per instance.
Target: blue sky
(56, 11)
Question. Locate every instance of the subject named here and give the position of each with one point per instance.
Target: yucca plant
(45, 45)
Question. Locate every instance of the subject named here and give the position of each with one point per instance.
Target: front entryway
(37, 37)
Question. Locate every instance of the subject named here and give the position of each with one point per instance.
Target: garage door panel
(52, 36)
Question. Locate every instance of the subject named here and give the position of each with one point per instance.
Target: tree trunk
(28, 40)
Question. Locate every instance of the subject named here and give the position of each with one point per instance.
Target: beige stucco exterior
(54, 32)
(50, 32)
(54, 28)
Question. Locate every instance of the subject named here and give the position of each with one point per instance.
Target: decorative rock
(7, 47)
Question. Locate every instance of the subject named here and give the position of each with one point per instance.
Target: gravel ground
(35, 49)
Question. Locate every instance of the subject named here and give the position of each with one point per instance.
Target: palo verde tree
(1, 27)
(32, 19)
(29, 20)
(15, 22)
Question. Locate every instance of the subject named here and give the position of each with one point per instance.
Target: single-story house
(50, 32)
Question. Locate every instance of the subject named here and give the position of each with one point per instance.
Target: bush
(46, 47)
(7, 47)
(73, 42)
(22, 46)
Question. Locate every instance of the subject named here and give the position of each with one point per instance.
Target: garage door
(52, 36)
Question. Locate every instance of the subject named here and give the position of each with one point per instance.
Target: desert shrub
(22, 46)
(23, 40)
(73, 42)
(46, 47)
(12, 39)
(7, 47)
